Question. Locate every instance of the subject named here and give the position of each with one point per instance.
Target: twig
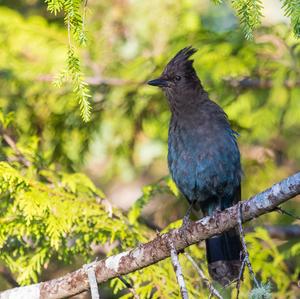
(178, 271)
(130, 287)
(282, 211)
(89, 268)
(6, 274)
(211, 288)
(18, 153)
(238, 284)
(245, 250)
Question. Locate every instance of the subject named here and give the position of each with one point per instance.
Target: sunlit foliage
(53, 214)
(74, 18)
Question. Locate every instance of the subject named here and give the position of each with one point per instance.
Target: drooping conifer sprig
(80, 87)
(250, 13)
(74, 18)
(292, 10)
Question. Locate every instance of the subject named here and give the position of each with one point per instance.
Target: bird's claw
(186, 219)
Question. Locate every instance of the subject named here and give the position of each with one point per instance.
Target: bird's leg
(186, 218)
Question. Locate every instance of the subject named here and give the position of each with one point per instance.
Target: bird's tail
(224, 256)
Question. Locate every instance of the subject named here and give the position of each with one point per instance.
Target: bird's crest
(181, 60)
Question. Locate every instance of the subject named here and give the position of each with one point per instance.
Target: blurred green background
(124, 146)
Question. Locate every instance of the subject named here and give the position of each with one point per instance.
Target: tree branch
(158, 249)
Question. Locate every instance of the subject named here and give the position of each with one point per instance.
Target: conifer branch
(158, 249)
(292, 10)
(75, 24)
(250, 13)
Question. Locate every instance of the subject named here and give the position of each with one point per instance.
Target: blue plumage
(204, 162)
(203, 157)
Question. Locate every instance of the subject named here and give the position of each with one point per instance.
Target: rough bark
(159, 249)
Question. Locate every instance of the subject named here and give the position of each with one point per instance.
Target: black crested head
(181, 63)
(179, 76)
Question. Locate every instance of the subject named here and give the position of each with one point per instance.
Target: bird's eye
(178, 78)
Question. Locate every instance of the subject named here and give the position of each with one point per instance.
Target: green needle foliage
(74, 16)
(80, 87)
(292, 10)
(249, 12)
(59, 218)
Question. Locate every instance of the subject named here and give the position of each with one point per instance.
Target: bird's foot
(186, 219)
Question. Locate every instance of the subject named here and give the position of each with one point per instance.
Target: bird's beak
(160, 82)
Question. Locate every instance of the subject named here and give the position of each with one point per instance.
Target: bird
(203, 158)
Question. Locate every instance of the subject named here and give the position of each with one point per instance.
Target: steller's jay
(203, 158)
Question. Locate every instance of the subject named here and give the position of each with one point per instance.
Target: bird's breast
(202, 161)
